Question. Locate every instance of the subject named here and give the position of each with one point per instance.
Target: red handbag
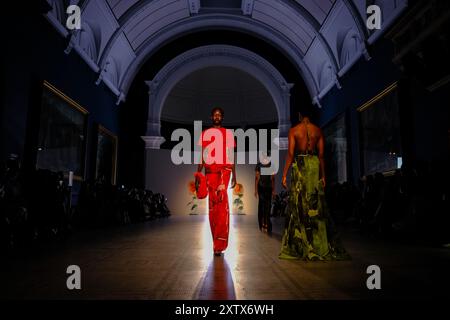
(200, 185)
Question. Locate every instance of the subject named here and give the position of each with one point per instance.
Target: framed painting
(380, 140)
(62, 133)
(106, 155)
(336, 154)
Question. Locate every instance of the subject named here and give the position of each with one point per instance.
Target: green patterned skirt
(309, 233)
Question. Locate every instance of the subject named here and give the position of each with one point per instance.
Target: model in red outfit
(219, 166)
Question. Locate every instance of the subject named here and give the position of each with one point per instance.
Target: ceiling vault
(323, 38)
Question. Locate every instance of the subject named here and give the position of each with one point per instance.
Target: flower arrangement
(238, 203)
(193, 203)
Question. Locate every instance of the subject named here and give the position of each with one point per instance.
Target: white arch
(213, 56)
(219, 21)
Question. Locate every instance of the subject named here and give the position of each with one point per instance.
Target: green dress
(309, 233)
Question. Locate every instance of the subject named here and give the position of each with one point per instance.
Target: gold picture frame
(378, 97)
(62, 133)
(379, 133)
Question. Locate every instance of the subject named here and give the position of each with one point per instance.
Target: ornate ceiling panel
(324, 38)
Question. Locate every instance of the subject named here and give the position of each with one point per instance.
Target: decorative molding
(194, 6)
(247, 7)
(283, 143)
(57, 25)
(224, 21)
(108, 36)
(338, 25)
(359, 22)
(316, 101)
(120, 98)
(153, 142)
(55, 16)
(74, 43)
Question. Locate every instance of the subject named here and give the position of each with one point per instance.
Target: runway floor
(172, 259)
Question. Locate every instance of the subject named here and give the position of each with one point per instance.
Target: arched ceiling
(323, 38)
(245, 100)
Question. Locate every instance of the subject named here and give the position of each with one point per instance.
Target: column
(153, 138)
(284, 114)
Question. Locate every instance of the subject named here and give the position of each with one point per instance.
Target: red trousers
(219, 213)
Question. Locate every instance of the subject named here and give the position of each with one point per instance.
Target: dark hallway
(334, 114)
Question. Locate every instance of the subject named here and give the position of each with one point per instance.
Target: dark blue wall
(424, 115)
(34, 52)
(363, 81)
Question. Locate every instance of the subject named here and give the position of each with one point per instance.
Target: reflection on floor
(173, 259)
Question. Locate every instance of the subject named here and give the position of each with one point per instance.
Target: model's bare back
(298, 143)
(300, 137)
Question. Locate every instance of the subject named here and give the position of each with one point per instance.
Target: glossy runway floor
(173, 259)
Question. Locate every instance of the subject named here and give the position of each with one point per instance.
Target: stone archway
(212, 56)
